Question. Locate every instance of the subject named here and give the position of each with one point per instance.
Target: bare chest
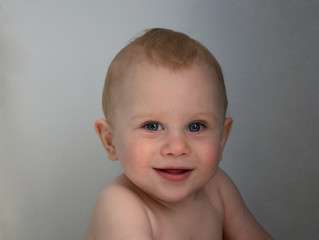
(204, 224)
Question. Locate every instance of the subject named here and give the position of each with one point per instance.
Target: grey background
(53, 60)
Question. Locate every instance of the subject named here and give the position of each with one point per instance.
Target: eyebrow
(155, 115)
(207, 113)
(144, 115)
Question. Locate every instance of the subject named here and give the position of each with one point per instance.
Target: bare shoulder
(219, 177)
(239, 223)
(220, 184)
(119, 214)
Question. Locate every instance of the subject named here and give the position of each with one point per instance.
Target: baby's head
(160, 48)
(164, 100)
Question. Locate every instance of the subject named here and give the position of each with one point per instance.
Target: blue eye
(153, 126)
(195, 127)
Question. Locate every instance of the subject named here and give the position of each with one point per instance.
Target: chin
(172, 197)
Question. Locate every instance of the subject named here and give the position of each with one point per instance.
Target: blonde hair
(161, 47)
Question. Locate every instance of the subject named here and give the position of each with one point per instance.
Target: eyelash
(146, 126)
(202, 126)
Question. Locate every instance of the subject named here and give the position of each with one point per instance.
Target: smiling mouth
(174, 171)
(174, 174)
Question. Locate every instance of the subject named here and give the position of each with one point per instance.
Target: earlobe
(103, 130)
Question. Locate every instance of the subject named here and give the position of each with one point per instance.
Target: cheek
(134, 153)
(209, 161)
(210, 152)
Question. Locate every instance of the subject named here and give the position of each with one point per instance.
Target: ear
(103, 130)
(228, 123)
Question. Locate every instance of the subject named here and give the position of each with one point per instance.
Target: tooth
(175, 171)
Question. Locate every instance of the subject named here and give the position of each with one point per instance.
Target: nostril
(176, 146)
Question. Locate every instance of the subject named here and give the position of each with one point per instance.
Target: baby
(165, 103)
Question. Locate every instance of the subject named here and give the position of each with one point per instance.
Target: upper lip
(174, 168)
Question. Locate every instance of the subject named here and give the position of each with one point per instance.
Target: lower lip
(174, 177)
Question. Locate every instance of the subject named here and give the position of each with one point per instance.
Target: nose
(175, 145)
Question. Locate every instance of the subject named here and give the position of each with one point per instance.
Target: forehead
(145, 83)
(144, 72)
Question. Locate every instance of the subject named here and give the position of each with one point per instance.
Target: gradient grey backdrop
(53, 59)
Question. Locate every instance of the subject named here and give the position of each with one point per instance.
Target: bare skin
(169, 142)
(216, 212)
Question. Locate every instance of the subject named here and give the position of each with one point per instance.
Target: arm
(119, 214)
(239, 223)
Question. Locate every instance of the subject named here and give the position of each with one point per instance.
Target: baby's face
(168, 129)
